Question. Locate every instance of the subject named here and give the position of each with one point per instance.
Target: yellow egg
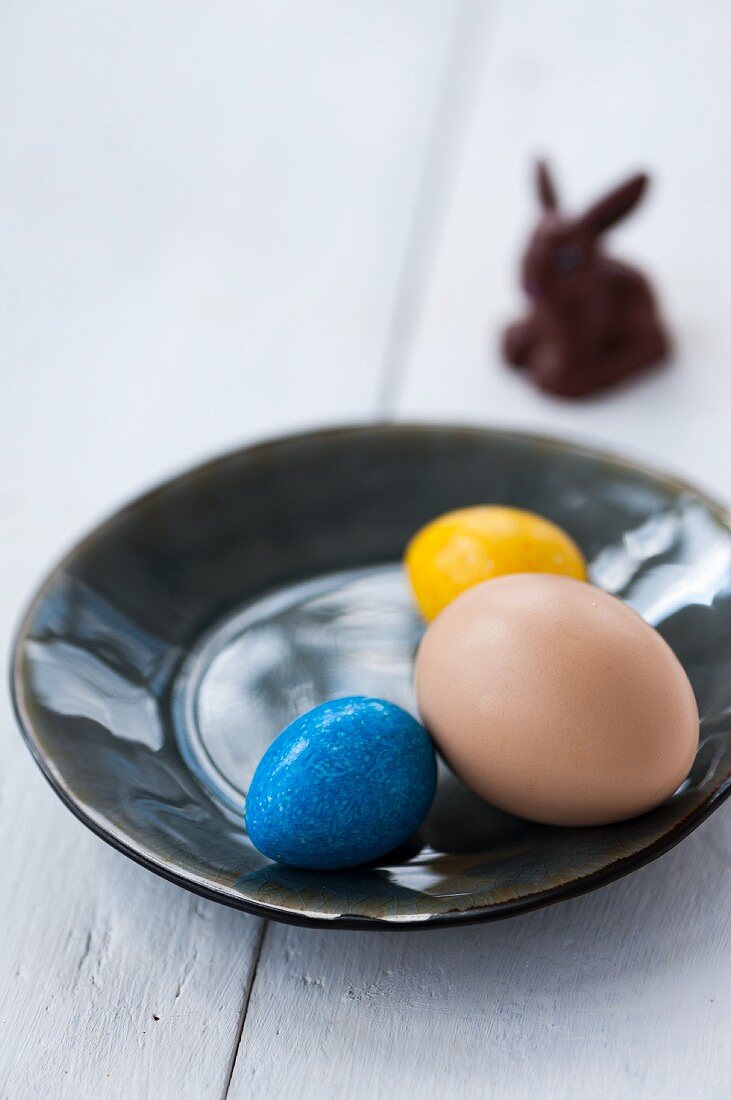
(462, 548)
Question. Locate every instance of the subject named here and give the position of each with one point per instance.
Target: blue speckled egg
(341, 785)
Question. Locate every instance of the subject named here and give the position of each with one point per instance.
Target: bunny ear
(614, 206)
(545, 187)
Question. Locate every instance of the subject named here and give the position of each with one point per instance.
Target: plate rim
(482, 914)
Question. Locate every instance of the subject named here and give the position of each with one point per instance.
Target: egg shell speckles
(342, 785)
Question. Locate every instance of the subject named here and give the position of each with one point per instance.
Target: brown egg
(556, 701)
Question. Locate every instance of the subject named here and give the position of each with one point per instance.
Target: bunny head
(562, 251)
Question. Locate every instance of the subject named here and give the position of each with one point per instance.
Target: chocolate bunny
(593, 320)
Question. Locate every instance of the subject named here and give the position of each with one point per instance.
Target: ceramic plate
(164, 653)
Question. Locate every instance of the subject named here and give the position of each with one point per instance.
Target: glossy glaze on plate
(164, 654)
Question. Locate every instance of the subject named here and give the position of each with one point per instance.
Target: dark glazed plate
(165, 652)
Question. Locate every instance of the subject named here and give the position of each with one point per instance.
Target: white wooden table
(224, 219)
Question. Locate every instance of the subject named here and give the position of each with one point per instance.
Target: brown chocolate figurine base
(593, 321)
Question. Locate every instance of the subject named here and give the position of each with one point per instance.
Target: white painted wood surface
(602, 94)
(205, 214)
(622, 993)
(227, 219)
(625, 993)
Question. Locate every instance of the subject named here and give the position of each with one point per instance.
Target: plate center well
(344, 633)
